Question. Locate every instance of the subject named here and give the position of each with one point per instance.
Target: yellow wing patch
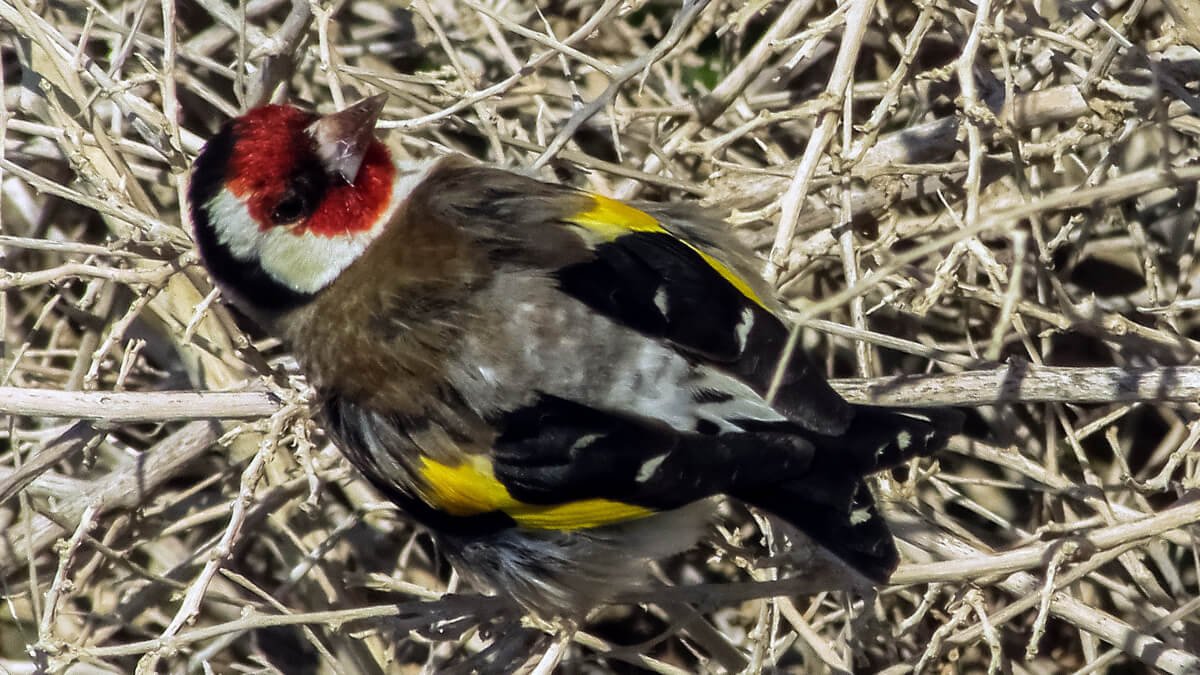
(610, 219)
(470, 489)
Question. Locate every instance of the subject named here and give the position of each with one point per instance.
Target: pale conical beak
(343, 137)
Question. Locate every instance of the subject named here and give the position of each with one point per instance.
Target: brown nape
(514, 217)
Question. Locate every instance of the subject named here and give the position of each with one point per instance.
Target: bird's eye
(292, 207)
(303, 195)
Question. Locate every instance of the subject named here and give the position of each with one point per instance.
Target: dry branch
(1024, 383)
(129, 407)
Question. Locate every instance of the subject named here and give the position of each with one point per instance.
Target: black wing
(653, 269)
(557, 451)
(664, 287)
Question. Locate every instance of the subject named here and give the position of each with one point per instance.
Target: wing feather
(652, 279)
(666, 271)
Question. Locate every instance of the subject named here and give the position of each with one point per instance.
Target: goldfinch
(555, 383)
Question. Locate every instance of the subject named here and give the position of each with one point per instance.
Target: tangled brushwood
(983, 204)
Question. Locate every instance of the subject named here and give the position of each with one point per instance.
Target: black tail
(849, 527)
(832, 504)
(885, 438)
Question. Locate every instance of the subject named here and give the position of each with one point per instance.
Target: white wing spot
(661, 300)
(647, 469)
(743, 328)
(860, 516)
(903, 440)
(584, 441)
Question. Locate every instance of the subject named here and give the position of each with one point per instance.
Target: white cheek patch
(304, 262)
(308, 262)
(233, 225)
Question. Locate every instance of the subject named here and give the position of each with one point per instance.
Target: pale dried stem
(858, 14)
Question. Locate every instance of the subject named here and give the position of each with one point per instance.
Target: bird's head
(282, 200)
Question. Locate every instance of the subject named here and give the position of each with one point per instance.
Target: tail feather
(885, 438)
(852, 530)
(834, 506)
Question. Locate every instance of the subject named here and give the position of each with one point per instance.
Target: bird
(558, 385)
